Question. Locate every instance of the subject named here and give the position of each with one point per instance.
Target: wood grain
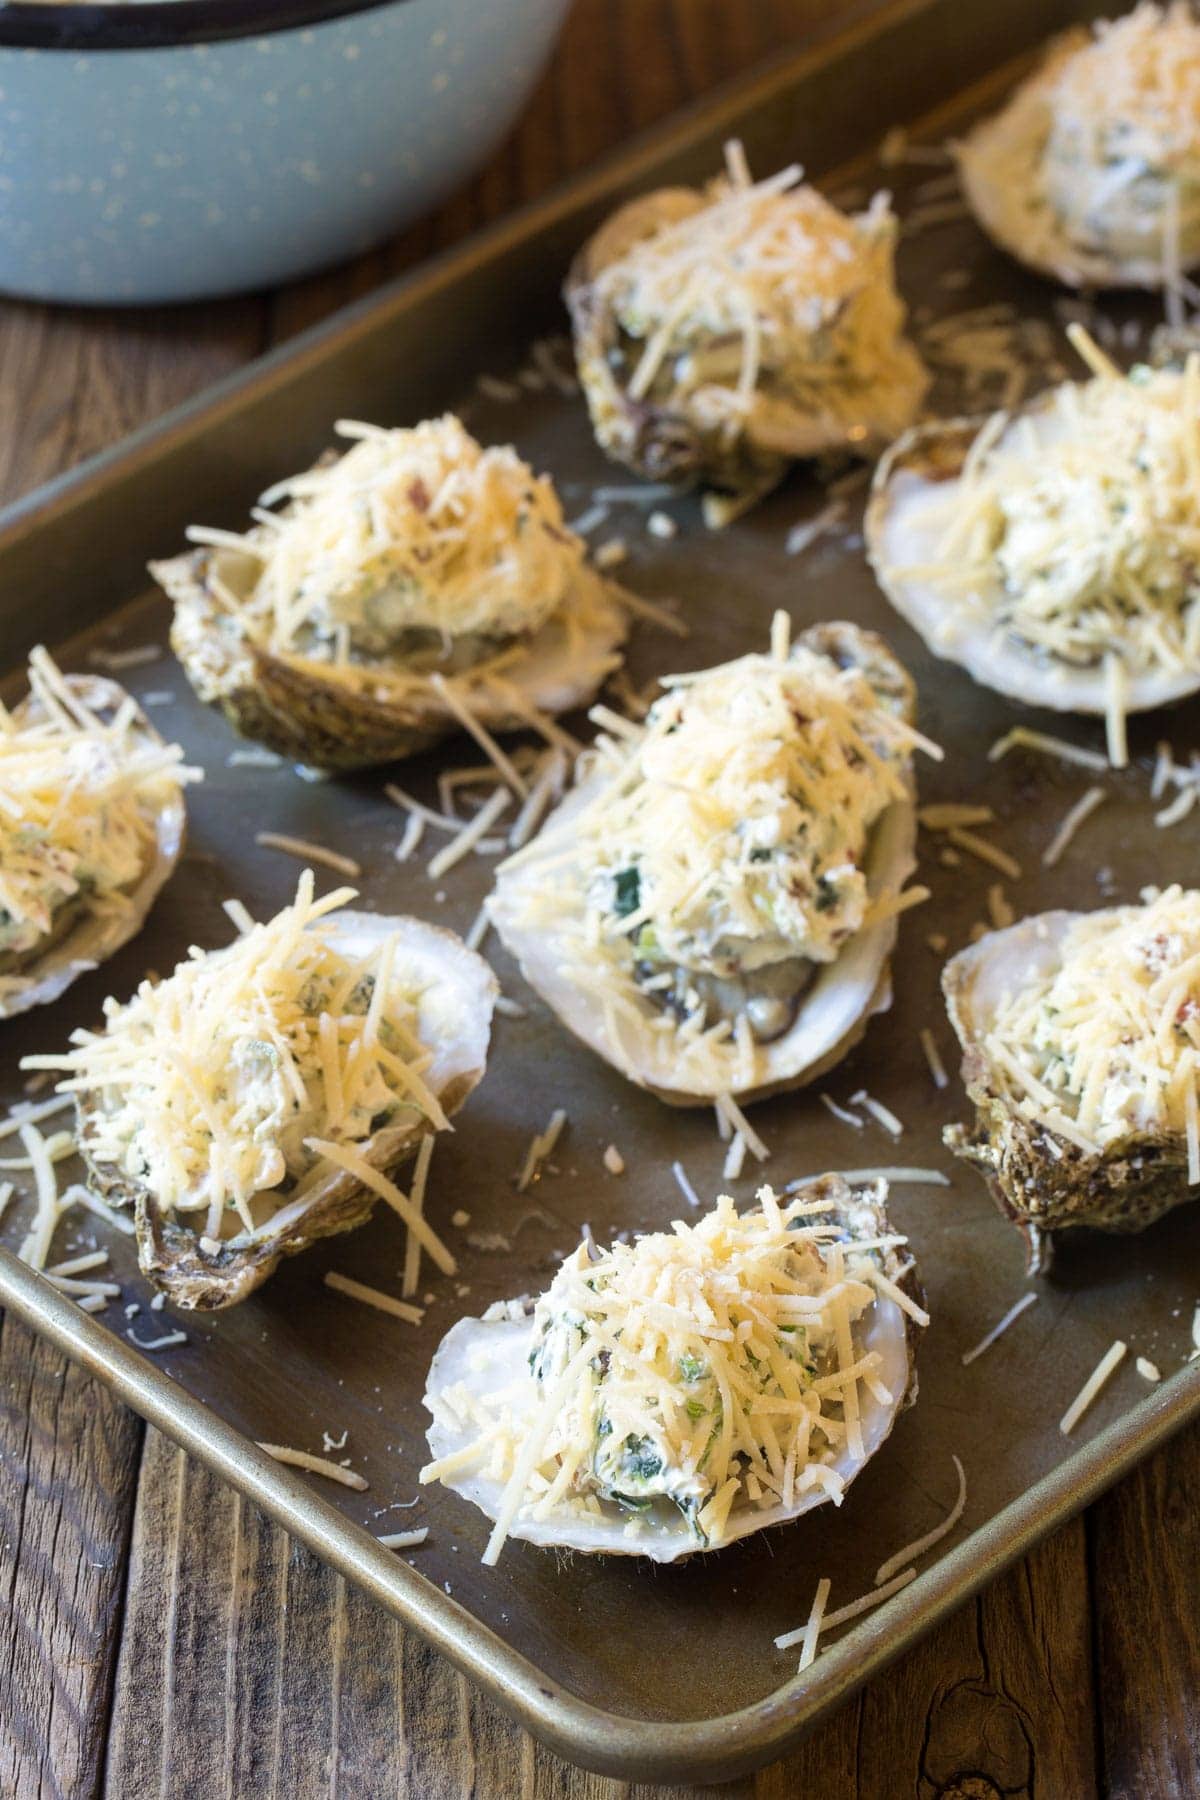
(161, 1638)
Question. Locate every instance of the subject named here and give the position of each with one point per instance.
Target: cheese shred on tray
(712, 909)
(1082, 1039)
(1054, 552)
(673, 1394)
(384, 593)
(259, 1096)
(91, 825)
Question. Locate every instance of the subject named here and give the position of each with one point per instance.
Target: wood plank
(68, 1452)
(998, 1701)
(1145, 1543)
(68, 1456)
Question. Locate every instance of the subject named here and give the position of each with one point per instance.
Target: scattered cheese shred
(875, 1598)
(308, 852)
(912, 1552)
(403, 1540)
(1099, 1376)
(985, 1343)
(932, 1055)
(370, 1296)
(812, 1630)
(1022, 738)
(316, 1465)
(540, 1148)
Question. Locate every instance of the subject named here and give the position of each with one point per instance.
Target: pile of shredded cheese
(1108, 1044)
(211, 1087)
(727, 834)
(763, 293)
(1122, 145)
(411, 531)
(715, 1367)
(80, 795)
(1077, 525)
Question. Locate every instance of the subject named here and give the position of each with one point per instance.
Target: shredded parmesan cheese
(730, 1352)
(999, 1328)
(1100, 1375)
(315, 1465)
(357, 1290)
(208, 1087)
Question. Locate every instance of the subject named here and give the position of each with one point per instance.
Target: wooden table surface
(160, 1638)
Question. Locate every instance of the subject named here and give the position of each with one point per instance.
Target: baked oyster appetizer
(676, 1393)
(412, 585)
(250, 1103)
(92, 822)
(1052, 551)
(1091, 171)
(1081, 1042)
(720, 333)
(713, 908)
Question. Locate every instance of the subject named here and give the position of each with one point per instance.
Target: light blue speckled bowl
(176, 149)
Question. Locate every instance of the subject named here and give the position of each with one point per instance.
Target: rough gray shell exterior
(295, 709)
(1038, 1179)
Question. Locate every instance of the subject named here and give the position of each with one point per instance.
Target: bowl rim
(83, 26)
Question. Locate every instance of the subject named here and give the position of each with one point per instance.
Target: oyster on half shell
(1090, 173)
(713, 909)
(1048, 552)
(721, 333)
(1062, 1137)
(410, 583)
(259, 1183)
(609, 1437)
(80, 877)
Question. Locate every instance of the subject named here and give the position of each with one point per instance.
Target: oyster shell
(1038, 1177)
(493, 1355)
(682, 428)
(81, 938)
(906, 518)
(457, 991)
(1082, 174)
(830, 1014)
(400, 680)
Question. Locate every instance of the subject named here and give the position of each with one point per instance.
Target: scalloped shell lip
(454, 1019)
(889, 1330)
(930, 456)
(298, 709)
(832, 1016)
(92, 940)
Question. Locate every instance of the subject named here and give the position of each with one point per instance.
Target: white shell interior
(491, 1354)
(1000, 165)
(829, 1012)
(906, 522)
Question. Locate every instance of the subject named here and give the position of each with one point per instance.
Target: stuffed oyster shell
(91, 829)
(1081, 1053)
(1052, 552)
(409, 587)
(262, 1095)
(599, 1417)
(713, 908)
(721, 333)
(1090, 173)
